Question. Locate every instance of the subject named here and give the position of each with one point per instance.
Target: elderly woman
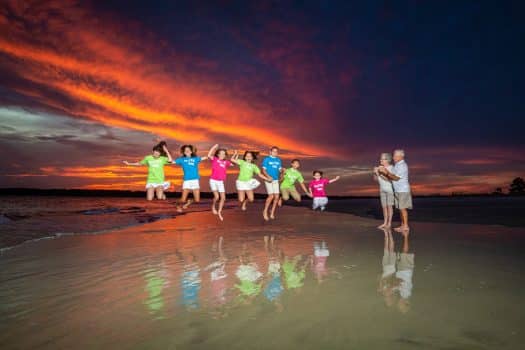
(386, 191)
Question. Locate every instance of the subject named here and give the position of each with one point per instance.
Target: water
(327, 281)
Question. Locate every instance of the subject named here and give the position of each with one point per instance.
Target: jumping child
(189, 161)
(317, 190)
(272, 167)
(155, 162)
(291, 175)
(219, 164)
(245, 182)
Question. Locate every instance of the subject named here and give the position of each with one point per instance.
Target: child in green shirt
(292, 175)
(245, 182)
(156, 183)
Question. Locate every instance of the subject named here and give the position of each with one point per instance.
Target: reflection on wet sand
(395, 282)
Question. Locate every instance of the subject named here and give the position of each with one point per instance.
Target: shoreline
(254, 212)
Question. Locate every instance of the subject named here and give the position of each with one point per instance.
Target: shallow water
(326, 282)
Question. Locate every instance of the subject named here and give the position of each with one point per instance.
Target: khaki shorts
(387, 198)
(272, 187)
(403, 200)
(287, 192)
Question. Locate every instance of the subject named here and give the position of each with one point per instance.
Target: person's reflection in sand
(218, 280)
(295, 272)
(387, 278)
(404, 274)
(156, 281)
(190, 280)
(318, 261)
(274, 284)
(250, 278)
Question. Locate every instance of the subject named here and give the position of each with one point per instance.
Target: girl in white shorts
(245, 182)
(189, 161)
(219, 165)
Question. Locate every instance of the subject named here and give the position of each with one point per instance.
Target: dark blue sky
(335, 82)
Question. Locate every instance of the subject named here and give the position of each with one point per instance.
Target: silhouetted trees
(517, 187)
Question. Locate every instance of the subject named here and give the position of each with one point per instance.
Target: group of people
(279, 181)
(394, 188)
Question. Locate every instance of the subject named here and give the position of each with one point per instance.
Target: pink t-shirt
(318, 187)
(218, 168)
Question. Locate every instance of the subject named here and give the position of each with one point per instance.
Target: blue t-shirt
(190, 167)
(274, 288)
(273, 166)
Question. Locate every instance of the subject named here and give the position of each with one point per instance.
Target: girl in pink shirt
(317, 189)
(219, 165)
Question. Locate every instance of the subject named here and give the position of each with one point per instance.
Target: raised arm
(335, 179)
(212, 151)
(170, 158)
(235, 157)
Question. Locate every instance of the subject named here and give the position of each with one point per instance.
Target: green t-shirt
(155, 168)
(290, 176)
(246, 170)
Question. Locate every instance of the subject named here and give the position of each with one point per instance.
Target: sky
(85, 85)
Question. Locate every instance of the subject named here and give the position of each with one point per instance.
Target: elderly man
(402, 195)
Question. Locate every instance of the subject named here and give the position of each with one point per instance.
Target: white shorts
(165, 185)
(272, 187)
(190, 185)
(217, 186)
(249, 185)
(320, 202)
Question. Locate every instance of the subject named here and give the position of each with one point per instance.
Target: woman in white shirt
(386, 192)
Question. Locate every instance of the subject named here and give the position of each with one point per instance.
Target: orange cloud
(110, 80)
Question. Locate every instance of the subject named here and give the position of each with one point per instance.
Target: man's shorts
(287, 192)
(272, 187)
(191, 185)
(403, 200)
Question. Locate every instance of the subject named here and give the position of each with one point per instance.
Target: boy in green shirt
(291, 175)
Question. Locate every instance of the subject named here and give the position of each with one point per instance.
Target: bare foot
(220, 217)
(179, 209)
(214, 211)
(381, 226)
(243, 206)
(265, 216)
(185, 206)
(398, 229)
(272, 217)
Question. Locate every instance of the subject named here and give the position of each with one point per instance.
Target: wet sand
(328, 281)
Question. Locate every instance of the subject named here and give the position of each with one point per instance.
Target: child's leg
(274, 205)
(197, 195)
(250, 196)
(150, 193)
(183, 199)
(215, 199)
(159, 192)
(390, 210)
(221, 204)
(315, 204)
(241, 195)
(267, 204)
(295, 195)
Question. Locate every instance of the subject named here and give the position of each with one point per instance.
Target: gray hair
(386, 156)
(400, 152)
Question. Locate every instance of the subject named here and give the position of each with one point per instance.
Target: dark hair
(160, 148)
(193, 150)
(254, 155)
(318, 172)
(295, 160)
(274, 147)
(219, 151)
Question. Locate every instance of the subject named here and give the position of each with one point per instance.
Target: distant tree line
(516, 188)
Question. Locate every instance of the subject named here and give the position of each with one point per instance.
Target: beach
(318, 280)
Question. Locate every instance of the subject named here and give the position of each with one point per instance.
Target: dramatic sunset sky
(84, 85)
